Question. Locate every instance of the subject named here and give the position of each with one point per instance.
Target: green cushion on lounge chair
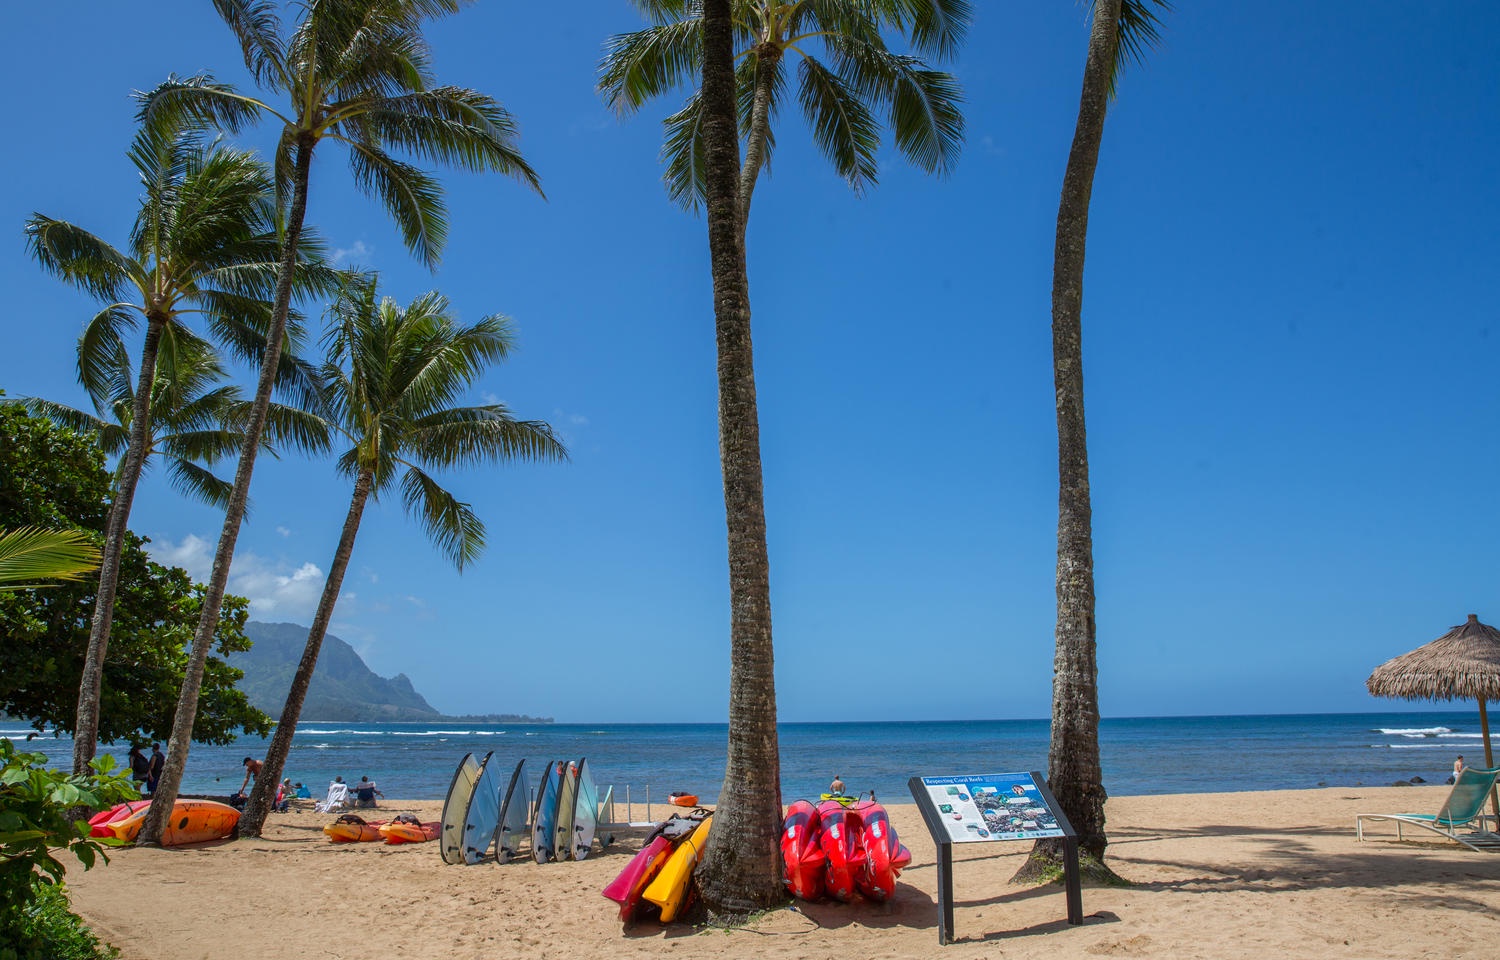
(1464, 807)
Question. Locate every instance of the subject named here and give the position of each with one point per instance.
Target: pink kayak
(626, 889)
(99, 822)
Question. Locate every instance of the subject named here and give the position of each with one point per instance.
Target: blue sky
(1289, 316)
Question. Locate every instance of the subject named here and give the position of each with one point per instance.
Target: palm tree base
(1045, 865)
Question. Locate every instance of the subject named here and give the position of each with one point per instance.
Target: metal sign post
(986, 808)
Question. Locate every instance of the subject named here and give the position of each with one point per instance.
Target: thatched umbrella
(1462, 664)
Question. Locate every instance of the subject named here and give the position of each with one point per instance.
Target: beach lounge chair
(338, 798)
(1463, 808)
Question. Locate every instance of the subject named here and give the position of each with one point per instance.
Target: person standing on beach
(1458, 767)
(153, 771)
(139, 766)
(252, 772)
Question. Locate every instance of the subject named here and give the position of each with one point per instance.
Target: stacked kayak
(100, 822)
(841, 851)
(352, 829)
(408, 829)
(657, 881)
(192, 821)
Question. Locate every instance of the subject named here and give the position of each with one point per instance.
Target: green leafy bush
(34, 825)
(47, 930)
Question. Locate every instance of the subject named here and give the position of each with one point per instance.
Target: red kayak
(884, 856)
(626, 889)
(839, 838)
(801, 852)
(99, 822)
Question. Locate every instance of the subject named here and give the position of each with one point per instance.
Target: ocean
(1141, 756)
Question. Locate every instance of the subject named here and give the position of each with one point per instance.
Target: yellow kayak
(670, 888)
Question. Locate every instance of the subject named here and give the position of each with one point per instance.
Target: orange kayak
(683, 799)
(193, 821)
(398, 831)
(352, 829)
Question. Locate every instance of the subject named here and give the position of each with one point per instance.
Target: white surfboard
(482, 817)
(455, 806)
(513, 815)
(585, 813)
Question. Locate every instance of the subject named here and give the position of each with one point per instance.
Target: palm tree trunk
(86, 723)
(741, 868)
(213, 599)
(264, 793)
(1073, 769)
(767, 62)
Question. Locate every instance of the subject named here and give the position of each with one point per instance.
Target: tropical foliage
(34, 830)
(394, 381)
(842, 94)
(357, 72)
(32, 553)
(54, 478)
(204, 243)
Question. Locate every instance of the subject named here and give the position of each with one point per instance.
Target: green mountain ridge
(343, 687)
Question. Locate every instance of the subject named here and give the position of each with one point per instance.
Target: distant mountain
(343, 688)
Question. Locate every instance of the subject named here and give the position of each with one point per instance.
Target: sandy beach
(1264, 875)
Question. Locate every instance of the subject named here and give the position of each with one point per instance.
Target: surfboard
(482, 817)
(546, 814)
(585, 813)
(567, 800)
(513, 815)
(455, 805)
(606, 816)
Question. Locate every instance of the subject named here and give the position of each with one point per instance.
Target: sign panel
(992, 806)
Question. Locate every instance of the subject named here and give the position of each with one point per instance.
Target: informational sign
(986, 807)
(992, 806)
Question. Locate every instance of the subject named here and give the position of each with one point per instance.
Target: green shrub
(34, 824)
(46, 929)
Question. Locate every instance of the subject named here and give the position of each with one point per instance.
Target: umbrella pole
(1489, 761)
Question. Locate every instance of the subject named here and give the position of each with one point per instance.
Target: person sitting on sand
(302, 793)
(252, 772)
(365, 793)
(836, 788)
(283, 796)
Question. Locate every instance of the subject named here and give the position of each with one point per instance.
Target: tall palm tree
(839, 94)
(741, 867)
(1074, 773)
(204, 243)
(357, 72)
(394, 376)
(195, 417)
(31, 552)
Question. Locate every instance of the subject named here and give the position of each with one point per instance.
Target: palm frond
(842, 126)
(1140, 33)
(936, 27)
(79, 257)
(71, 418)
(413, 198)
(466, 436)
(30, 553)
(454, 126)
(198, 483)
(925, 118)
(682, 152)
(640, 66)
(199, 101)
(100, 346)
(258, 29)
(449, 523)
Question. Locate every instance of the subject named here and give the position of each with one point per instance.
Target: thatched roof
(1462, 664)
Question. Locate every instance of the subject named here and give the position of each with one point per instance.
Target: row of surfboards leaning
(491, 813)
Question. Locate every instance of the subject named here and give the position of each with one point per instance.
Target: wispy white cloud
(285, 532)
(358, 252)
(275, 588)
(488, 397)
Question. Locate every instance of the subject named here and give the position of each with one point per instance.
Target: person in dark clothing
(153, 771)
(139, 766)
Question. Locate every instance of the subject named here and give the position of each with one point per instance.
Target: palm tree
(741, 867)
(393, 377)
(204, 242)
(357, 72)
(839, 94)
(1073, 768)
(194, 416)
(31, 552)
(840, 99)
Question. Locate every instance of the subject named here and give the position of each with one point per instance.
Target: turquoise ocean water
(1140, 756)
